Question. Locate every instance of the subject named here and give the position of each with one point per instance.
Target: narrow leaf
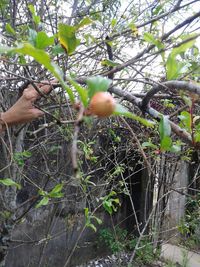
(10, 29)
(122, 111)
(43, 202)
(84, 22)
(10, 182)
(164, 127)
(83, 93)
(57, 188)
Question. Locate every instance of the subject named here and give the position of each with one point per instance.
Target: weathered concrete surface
(176, 205)
(175, 254)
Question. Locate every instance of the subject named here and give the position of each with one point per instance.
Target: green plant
(185, 259)
(46, 196)
(110, 202)
(21, 157)
(88, 150)
(170, 263)
(118, 240)
(90, 218)
(189, 225)
(115, 240)
(145, 254)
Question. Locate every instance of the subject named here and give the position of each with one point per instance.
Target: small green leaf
(43, 202)
(83, 93)
(91, 225)
(32, 37)
(186, 122)
(166, 143)
(149, 144)
(56, 191)
(175, 148)
(109, 63)
(164, 127)
(86, 212)
(148, 37)
(36, 18)
(10, 29)
(32, 9)
(96, 84)
(42, 40)
(67, 37)
(57, 49)
(57, 188)
(99, 221)
(10, 182)
(122, 111)
(173, 68)
(84, 22)
(182, 48)
(187, 100)
(108, 207)
(56, 195)
(133, 28)
(42, 192)
(113, 22)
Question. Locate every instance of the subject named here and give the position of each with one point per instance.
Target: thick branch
(170, 85)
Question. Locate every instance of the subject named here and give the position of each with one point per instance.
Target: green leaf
(96, 84)
(133, 28)
(164, 127)
(42, 40)
(42, 192)
(91, 225)
(10, 29)
(43, 202)
(148, 37)
(67, 37)
(32, 9)
(86, 213)
(32, 37)
(36, 18)
(197, 137)
(173, 68)
(99, 221)
(122, 111)
(57, 188)
(175, 148)
(187, 100)
(182, 48)
(57, 49)
(84, 22)
(166, 143)
(113, 22)
(149, 144)
(186, 122)
(108, 207)
(83, 93)
(109, 63)
(56, 195)
(10, 182)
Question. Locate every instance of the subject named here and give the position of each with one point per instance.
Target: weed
(118, 240)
